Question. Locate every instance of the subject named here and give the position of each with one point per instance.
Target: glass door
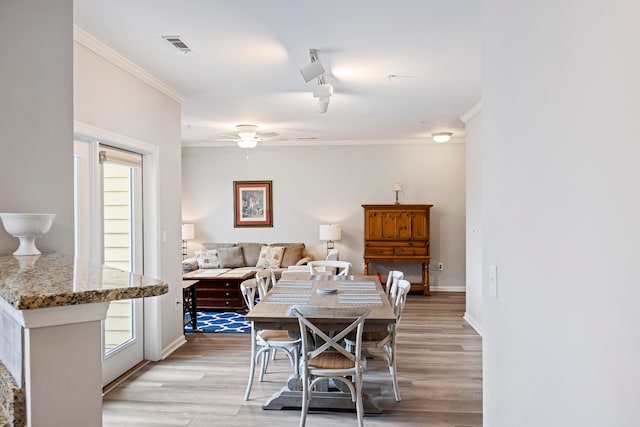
(113, 235)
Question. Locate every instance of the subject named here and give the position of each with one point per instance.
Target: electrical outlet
(440, 266)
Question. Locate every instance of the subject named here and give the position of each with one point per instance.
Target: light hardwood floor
(203, 382)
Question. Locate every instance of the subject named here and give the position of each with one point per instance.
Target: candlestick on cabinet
(397, 188)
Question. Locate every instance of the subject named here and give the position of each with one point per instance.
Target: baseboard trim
(448, 288)
(179, 342)
(471, 321)
(122, 378)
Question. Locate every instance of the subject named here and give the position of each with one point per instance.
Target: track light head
(323, 91)
(312, 71)
(323, 104)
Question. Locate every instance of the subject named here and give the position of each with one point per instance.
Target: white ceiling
(246, 55)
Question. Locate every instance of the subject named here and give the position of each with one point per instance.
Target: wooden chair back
(355, 316)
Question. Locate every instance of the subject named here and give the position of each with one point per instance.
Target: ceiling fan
(248, 136)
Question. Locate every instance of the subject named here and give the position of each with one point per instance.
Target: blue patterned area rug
(214, 321)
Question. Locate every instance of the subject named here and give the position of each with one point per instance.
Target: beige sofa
(249, 256)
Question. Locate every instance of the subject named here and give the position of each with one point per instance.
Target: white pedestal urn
(27, 227)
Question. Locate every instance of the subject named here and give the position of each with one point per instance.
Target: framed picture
(252, 204)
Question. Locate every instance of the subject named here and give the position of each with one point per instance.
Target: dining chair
(268, 340)
(392, 283)
(292, 275)
(326, 357)
(265, 280)
(338, 268)
(386, 340)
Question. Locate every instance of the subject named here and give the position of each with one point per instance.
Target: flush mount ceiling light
(247, 134)
(441, 137)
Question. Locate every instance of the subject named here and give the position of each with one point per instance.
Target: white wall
(328, 184)
(560, 213)
(473, 130)
(109, 98)
(36, 117)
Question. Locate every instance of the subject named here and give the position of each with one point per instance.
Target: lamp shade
(188, 231)
(330, 232)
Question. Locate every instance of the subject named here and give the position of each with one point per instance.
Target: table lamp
(330, 233)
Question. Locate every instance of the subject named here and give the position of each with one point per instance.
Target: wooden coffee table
(218, 289)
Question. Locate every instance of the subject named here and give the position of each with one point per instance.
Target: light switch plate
(493, 281)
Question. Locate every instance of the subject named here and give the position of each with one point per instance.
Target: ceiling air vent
(178, 43)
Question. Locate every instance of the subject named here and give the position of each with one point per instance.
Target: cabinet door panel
(373, 227)
(389, 222)
(420, 225)
(404, 227)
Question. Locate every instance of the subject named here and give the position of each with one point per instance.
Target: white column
(63, 365)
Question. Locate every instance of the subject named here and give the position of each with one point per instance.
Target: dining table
(302, 288)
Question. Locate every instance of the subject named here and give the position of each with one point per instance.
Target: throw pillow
(231, 257)
(208, 259)
(189, 265)
(293, 252)
(270, 257)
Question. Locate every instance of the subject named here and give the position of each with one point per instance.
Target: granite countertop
(53, 280)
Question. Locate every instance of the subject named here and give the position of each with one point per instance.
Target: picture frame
(252, 204)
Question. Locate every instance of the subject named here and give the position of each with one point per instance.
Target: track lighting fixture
(323, 91)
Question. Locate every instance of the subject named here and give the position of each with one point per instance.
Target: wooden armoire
(398, 233)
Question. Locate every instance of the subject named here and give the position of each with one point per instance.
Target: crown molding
(98, 47)
(474, 111)
(308, 143)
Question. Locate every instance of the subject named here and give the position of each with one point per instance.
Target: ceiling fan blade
(267, 134)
